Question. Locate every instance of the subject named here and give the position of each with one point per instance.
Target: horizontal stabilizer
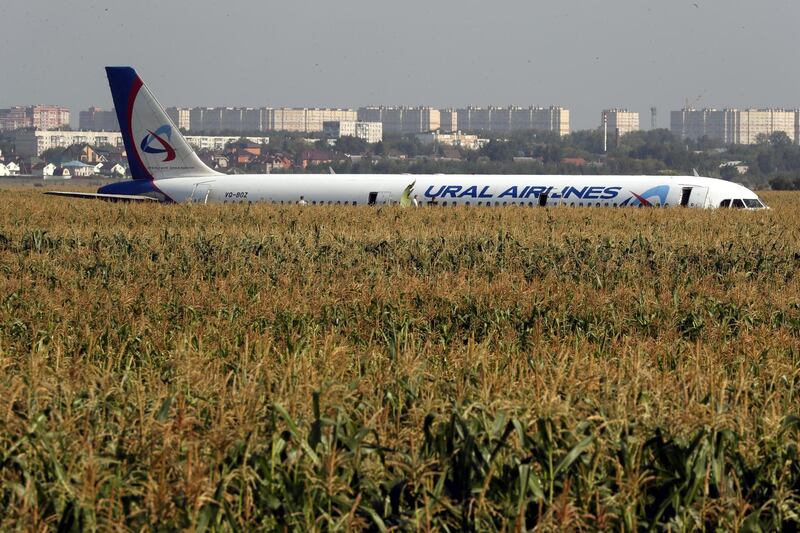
(106, 197)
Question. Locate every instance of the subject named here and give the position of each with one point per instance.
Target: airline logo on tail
(159, 135)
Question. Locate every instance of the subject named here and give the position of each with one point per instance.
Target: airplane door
(693, 196)
(201, 192)
(380, 198)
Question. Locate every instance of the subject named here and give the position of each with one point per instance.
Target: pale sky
(583, 54)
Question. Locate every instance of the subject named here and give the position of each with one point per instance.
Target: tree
(779, 138)
(783, 184)
(588, 140)
(351, 145)
(765, 164)
(762, 139)
(552, 154)
(728, 172)
(52, 155)
(498, 151)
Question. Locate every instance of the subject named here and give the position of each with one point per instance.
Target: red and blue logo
(645, 199)
(162, 135)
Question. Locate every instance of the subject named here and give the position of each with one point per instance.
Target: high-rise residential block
(14, 118)
(506, 119)
(402, 119)
(49, 117)
(619, 121)
(372, 132)
(96, 119)
(180, 116)
(40, 117)
(448, 120)
(734, 126)
(303, 119)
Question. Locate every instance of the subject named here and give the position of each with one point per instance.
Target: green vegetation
(328, 368)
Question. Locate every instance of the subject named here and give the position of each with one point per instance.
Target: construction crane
(653, 118)
(690, 105)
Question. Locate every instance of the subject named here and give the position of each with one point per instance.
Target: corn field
(241, 368)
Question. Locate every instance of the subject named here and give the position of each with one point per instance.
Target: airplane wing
(106, 197)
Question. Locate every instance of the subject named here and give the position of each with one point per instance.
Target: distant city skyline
(585, 56)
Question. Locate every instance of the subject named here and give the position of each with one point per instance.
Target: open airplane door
(693, 196)
(379, 198)
(201, 192)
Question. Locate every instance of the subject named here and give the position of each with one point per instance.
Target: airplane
(165, 169)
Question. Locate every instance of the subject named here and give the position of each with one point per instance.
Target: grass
(268, 367)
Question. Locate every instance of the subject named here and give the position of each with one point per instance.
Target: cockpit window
(753, 203)
(725, 203)
(738, 204)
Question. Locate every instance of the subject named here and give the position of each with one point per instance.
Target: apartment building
(34, 143)
(218, 142)
(242, 119)
(205, 119)
(49, 117)
(304, 119)
(180, 116)
(14, 118)
(456, 138)
(734, 126)
(448, 120)
(372, 132)
(619, 121)
(753, 123)
(42, 117)
(96, 119)
(402, 119)
(506, 119)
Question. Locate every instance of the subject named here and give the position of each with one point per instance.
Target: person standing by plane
(415, 201)
(302, 201)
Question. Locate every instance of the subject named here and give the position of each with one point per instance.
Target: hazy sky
(582, 54)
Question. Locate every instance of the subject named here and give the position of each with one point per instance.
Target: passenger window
(738, 204)
(725, 203)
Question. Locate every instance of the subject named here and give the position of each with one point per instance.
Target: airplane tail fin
(155, 147)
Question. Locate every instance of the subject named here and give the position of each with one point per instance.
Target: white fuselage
(166, 168)
(452, 189)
